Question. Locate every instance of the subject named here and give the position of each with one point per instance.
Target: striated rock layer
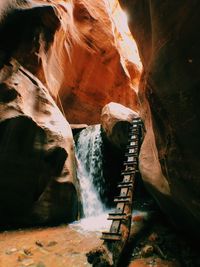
(166, 34)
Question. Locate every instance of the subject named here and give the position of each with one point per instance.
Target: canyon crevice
(70, 52)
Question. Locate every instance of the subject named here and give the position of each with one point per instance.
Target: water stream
(89, 171)
(90, 175)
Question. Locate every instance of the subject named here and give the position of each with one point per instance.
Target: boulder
(115, 121)
(37, 164)
(166, 34)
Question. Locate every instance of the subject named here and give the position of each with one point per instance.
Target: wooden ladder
(121, 217)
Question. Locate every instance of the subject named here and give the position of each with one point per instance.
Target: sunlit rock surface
(37, 176)
(76, 50)
(97, 70)
(166, 33)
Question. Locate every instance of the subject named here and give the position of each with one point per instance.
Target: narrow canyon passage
(99, 133)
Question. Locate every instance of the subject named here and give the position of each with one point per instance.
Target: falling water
(90, 175)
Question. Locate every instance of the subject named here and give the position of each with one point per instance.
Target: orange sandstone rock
(75, 49)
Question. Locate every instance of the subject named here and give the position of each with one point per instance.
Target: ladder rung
(132, 143)
(133, 136)
(116, 213)
(122, 196)
(127, 177)
(131, 159)
(123, 200)
(134, 126)
(136, 120)
(125, 184)
(111, 236)
(130, 162)
(128, 172)
(134, 130)
(126, 180)
(117, 217)
(131, 168)
(131, 154)
(134, 133)
(131, 151)
(131, 146)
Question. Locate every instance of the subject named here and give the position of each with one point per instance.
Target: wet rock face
(169, 48)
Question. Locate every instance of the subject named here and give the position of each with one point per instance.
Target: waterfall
(89, 171)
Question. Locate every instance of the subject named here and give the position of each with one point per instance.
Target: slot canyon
(99, 124)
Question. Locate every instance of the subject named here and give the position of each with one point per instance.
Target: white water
(96, 224)
(89, 171)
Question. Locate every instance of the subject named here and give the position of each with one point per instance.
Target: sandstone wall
(166, 34)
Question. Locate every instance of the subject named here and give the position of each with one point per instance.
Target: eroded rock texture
(166, 33)
(37, 175)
